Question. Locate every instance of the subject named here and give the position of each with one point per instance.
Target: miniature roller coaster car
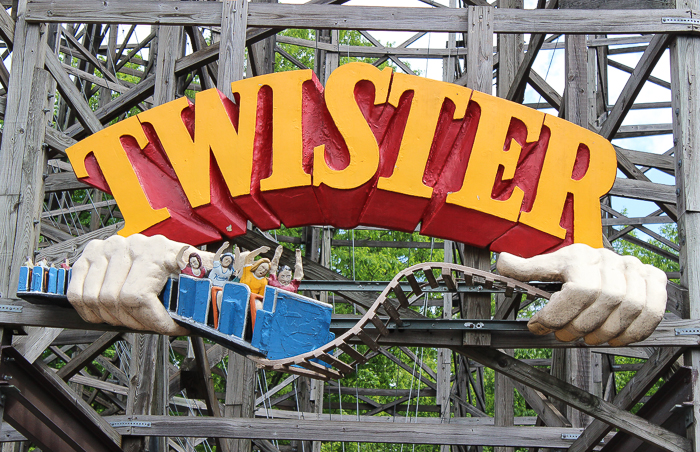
(286, 325)
(44, 285)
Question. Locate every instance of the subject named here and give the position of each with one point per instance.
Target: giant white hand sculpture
(118, 281)
(605, 298)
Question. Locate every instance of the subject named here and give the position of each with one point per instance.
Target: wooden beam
(71, 249)
(35, 342)
(653, 369)
(86, 356)
(634, 84)
(232, 44)
(204, 369)
(369, 432)
(184, 13)
(22, 159)
(644, 190)
(617, 4)
(579, 399)
(544, 89)
(71, 94)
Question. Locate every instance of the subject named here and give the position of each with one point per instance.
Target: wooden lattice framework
(62, 53)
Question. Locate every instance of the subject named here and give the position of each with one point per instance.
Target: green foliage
(306, 55)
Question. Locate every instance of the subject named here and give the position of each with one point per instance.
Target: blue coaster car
(290, 324)
(287, 325)
(44, 285)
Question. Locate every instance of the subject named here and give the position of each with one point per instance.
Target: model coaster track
(371, 327)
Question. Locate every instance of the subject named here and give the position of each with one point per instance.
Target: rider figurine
(219, 275)
(283, 279)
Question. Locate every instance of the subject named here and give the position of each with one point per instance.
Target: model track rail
(371, 327)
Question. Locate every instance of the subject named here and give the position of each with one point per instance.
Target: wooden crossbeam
(360, 17)
(371, 432)
(578, 398)
(517, 88)
(634, 390)
(86, 356)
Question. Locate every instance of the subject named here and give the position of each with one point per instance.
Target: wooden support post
(240, 395)
(142, 369)
(510, 56)
(316, 407)
(444, 355)
(576, 110)
(204, 370)
(302, 394)
(261, 55)
(232, 53)
(685, 88)
(240, 380)
(479, 77)
(332, 58)
(22, 159)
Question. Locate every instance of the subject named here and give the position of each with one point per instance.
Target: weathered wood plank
(638, 189)
(636, 221)
(35, 342)
(58, 141)
(86, 356)
(71, 94)
(302, 430)
(79, 404)
(617, 4)
(634, 85)
(660, 161)
(685, 72)
(634, 390)
(232, 44)
(204, 371)
(22, 158)
(579, 399)
(71, 249)
(358, 17)
(62, 181)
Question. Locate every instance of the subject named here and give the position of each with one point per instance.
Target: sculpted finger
(159, 320)
(613, 288)
(75, 291)
(95, 254)
(140, 305)
(642, 326)
(629, 309)
(565, 305)
(554, 266)
(115, 277)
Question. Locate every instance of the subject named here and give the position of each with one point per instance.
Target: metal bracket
(130, 424)
(680, 20)
(687, 409)
(574, 437)
(10, 308)
(687, 331)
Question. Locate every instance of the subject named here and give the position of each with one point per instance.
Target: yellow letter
(287, 170)
(213, 130)
(119, 174)
(428, 97)
(556, 182)
(361, 143)
(489, 152)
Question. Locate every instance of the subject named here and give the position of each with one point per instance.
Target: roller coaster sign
(373, 148)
